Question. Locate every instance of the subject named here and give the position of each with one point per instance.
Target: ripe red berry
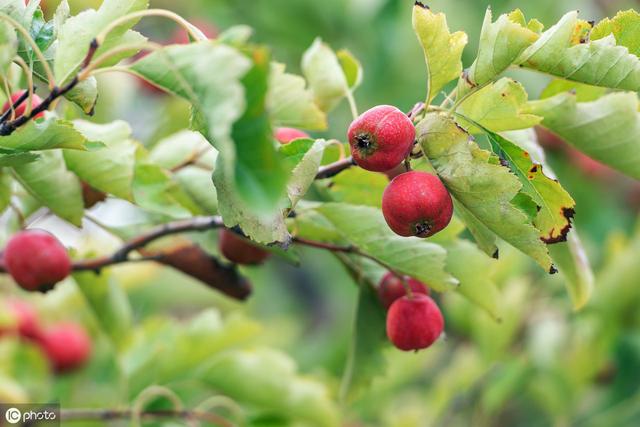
(381, 138)
(240, 250)
(67, 346)
(414, 323)
(36, 260)
(391, 288)
(35, 101)
(26, 320)
(286, 135)
(416, 204)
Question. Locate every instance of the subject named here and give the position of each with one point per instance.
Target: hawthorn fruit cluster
(67, 346)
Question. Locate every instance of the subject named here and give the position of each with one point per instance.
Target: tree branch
(121, 414)
(335, 168)
(7, 128)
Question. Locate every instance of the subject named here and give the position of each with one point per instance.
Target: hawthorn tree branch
(122, 414)
(335, 168)
(7, 128)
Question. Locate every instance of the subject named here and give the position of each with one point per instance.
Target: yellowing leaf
(442, 50)
(325, 75)
(625, 27)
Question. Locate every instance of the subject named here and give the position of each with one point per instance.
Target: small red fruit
(27, 320)
(67, 346)
(36, 260)
(391, 288)
(35, 101)
(416, 204)
(414, 323)
(381, 138)
(240, 250)
(286, 135)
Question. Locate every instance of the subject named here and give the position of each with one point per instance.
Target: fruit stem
(406, 286)
(27, 72)
(115, 51)
(352, 104)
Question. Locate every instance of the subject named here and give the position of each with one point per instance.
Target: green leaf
(607, 129)
(351, 68)
(76, 34)
(196, 182)
(359, 187)
(182, 148)
(365, 360)
(555, 205)
(109, 303)
(366, 228)
(477, 181)
(304, 173)
(499, 106)
(573, 264)
(442, 50)
(484, 237)
(84, 94)
(464, 261)
(259, 174)
(6, 186)
(290, 103)
(501, 42)
(43, 135)
(49, 181)
(109, 169)
(625, 27)
(15, 159)
(8, 46)
(564, 51)
(275, 386)
(583, 92)
(155, 191)
(42, 32)
(325, 75)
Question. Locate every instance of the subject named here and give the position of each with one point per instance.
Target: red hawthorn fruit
(286, 135)
(67, 346)
(26, 320)
(381, 138)
(391, 288)
(414, 323)
(416, 204)
(240, 250)
(36, 260)
(35, 101)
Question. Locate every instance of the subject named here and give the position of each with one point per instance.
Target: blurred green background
(543, 365)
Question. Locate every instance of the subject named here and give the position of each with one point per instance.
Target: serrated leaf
(499, 107)
(351, 68)
(108, 301)
(607, 129)
(442, 49)
(484, 237)
(43, 135)
(109, 169)
(501, 42)
(290, 103)
(49, 181)
(326, 78)
(464, 261)
(84, 94)
(598, 62)
(555, 206)
(60, 16)
(573, 264)
(8, 46)
(42, 32)
(625, 27)
(476, 180)
(366, 228)
(359, 187)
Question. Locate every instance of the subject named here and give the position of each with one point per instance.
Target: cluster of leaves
(479, 141)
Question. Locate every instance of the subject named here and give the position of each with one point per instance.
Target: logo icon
(13, 415)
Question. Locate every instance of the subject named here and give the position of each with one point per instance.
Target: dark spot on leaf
(420, 4)
(465, 76)
(534, 169)
(496, 254)
(553, 269)
(525, 153)
(504, 163)
(568, 213)
(538, 208)
(591, 23)
(503, 94)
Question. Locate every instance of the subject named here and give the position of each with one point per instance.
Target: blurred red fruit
(67, 346)
(240, 250)
(35, 101)
(286, 135)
